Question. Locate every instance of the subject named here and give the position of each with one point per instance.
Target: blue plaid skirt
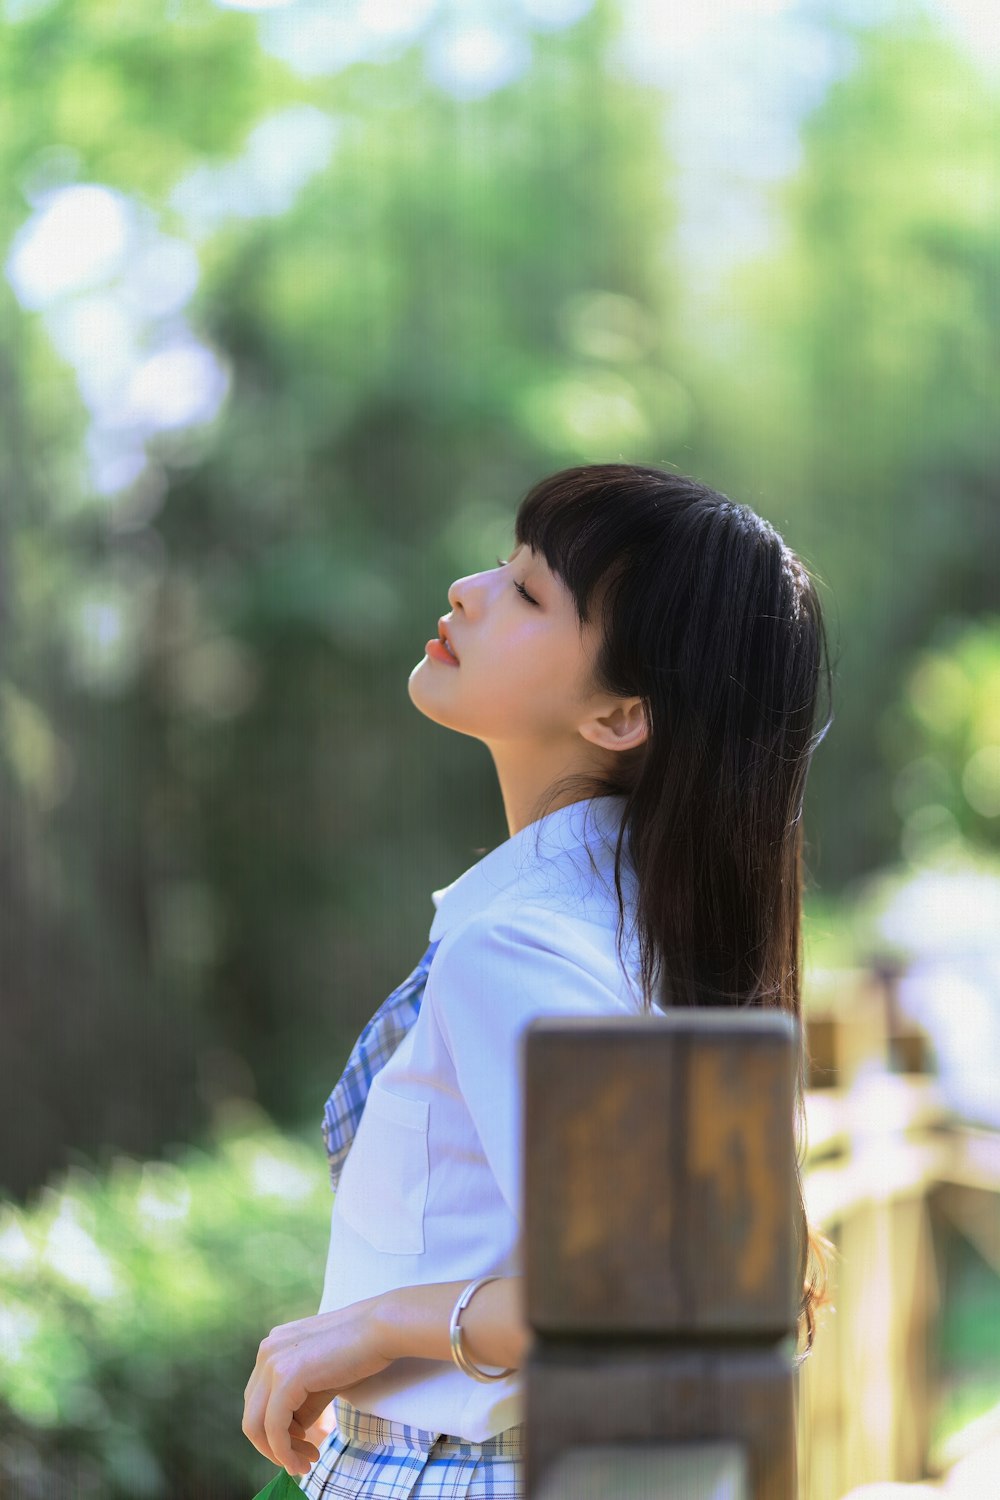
(368, 1456)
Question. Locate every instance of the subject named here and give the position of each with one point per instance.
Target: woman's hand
(300, 1367)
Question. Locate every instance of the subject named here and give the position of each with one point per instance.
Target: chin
(416, 677)
(436, 712)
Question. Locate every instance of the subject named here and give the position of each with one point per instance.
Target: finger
(313, 1407)
(306, 1451)
(301, 1436)
(305, 1443)
(258, 1368)
(254, 1411)
(303, 1457)
(277, 1419)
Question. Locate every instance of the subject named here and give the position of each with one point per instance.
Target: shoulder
(517, 960)
(518, 930)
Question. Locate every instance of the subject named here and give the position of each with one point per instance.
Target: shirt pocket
(382, 1191)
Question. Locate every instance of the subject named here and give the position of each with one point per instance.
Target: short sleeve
(489, 979)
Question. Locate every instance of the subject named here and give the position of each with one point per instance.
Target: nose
(464, 589)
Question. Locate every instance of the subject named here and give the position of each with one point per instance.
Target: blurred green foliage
(870, 338)
(229, 816)
(134, 1299)
(967, 1376)
(943, 739)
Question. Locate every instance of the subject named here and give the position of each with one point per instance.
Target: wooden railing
(659, 1267)
(890, 1168)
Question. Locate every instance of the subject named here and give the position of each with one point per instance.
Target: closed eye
(501, 563)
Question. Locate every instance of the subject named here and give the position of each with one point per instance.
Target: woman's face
(522, 662)
(524, 680)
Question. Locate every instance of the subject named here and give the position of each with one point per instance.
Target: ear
(624, 727)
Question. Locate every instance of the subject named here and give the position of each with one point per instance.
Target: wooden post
(909, 1046)
(846, 1021)
(660, 1255)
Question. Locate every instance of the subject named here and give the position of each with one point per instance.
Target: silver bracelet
(457, 1352)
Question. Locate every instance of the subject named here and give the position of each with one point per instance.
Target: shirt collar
(556, 869)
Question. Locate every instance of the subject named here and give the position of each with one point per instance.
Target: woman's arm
(301, 1366)
(413, 1320)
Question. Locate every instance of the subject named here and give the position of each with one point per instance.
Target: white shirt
(430, 1190)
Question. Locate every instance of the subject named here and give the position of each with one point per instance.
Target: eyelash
(502, 563)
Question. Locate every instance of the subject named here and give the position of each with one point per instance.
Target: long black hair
(708, 617)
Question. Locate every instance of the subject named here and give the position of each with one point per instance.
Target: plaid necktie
(372, 1051)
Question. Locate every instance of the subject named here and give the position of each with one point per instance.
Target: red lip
(446, 635)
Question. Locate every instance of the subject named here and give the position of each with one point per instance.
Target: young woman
(644, 669)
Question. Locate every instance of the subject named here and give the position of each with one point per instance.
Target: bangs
(581, 523)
